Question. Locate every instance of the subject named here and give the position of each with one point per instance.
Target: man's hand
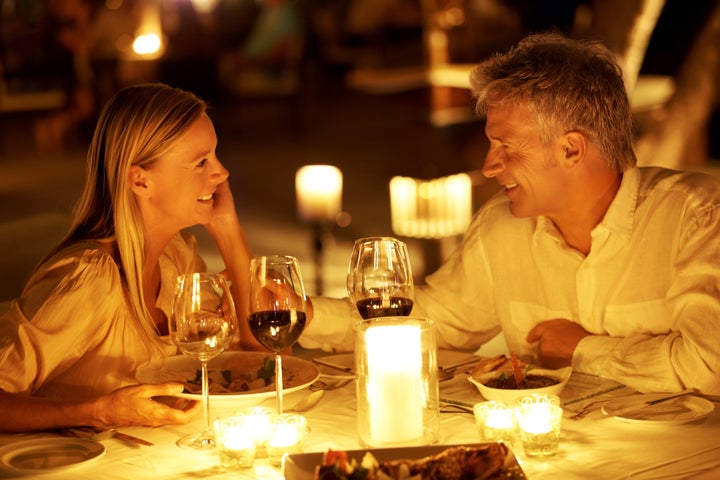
(557, 340)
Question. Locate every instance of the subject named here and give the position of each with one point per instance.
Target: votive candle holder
(234, 442)
(539, 418)
(495, 421)
(287, 435)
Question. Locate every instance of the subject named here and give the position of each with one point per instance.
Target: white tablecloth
(595, 447)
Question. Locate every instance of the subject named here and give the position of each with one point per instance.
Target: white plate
(297, 374)
(679, 410)
(339, 366)
(301, 466)
(42, 455)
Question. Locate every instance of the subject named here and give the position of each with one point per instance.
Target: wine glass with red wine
(277, 308)
(380, 281)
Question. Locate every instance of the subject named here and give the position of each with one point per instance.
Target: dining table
(592, 445)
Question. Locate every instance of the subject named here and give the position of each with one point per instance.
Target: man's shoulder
(695, 186)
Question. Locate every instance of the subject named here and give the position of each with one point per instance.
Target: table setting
(395, 405)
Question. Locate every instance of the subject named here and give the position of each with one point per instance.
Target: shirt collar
(619, 216)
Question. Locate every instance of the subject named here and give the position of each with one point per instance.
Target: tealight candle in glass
(539, 418)
(287, 435)
(234, 442)
(259, 421)
(495, 421)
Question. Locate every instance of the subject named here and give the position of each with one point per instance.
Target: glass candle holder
(287, 435)
(234, 442)
(495, 421)
(259, 421)
(539, 418)
(397, 382)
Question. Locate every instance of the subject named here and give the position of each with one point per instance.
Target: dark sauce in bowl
(507, 382)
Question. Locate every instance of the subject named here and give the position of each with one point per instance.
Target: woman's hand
(223, 208)
(139, 405)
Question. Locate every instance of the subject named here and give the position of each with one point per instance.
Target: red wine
(373, 307)
(277, 329)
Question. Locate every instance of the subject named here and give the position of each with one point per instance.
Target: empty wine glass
(277, 308)
(380, 281)
(202, 325)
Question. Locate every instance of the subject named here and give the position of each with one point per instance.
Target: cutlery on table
(644, 404)
(307, 402)
(334, 366)
(103, 434)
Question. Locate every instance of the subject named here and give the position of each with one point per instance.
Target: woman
(97, 307)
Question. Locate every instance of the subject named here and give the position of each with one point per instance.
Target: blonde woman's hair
(136, 127)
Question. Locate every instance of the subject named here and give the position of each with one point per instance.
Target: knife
(641, 405)
(334, 366)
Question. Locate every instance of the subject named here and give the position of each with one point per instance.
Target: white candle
(318, 190)
(394, 355)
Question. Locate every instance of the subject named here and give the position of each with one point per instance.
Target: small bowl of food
(502, 385)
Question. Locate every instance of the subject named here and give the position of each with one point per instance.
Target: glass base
(198, 441)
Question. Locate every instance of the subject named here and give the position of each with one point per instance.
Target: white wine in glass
(380, 281)
(202, 325)
(277, 308)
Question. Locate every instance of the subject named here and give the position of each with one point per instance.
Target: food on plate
(516, 378)
(454, 463)
(234, 377)
(507, 381)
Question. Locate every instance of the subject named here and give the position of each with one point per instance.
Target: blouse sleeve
(58, 318)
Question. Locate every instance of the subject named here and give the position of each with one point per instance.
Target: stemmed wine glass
(202, 325)
(277, 308)
(380, 281)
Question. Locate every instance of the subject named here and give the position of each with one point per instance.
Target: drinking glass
(202, 325)
(277, 308)
(379, 280)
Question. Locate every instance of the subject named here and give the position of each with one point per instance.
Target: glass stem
(279, 382)
(205, 396)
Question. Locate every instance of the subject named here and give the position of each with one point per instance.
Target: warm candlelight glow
(431, 208)
(234, 442)
(394, 382)
(495, 421)
(318, 190)
(539, 418)
(287, 435)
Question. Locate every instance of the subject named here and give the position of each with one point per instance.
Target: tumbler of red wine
(380, 281)
(277, 308)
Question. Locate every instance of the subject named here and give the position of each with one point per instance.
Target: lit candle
(234, 442)
(258, 421)
(394, 356)
(539, 418)
(286, 436)
(495, 421)
(318, 190)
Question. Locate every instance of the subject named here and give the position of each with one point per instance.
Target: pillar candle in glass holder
(397, 386)
(539, 417)
(318, 192)
(495, 421)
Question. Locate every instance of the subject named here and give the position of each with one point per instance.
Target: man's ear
(139, 181)
(574, 146)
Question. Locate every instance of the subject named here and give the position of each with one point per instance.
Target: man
(584, 259)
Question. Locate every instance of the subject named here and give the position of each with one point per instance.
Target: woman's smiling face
(185, 179)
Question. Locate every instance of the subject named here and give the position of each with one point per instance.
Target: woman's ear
(139, 181)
